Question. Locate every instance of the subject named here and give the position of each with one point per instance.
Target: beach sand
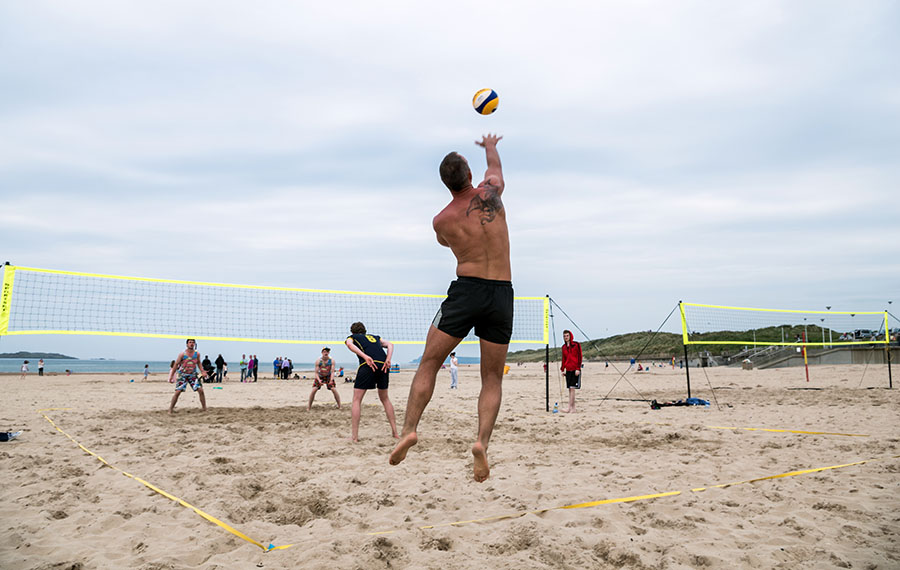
(259, 462)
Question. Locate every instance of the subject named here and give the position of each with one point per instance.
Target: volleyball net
(715, 324)
(45, 301)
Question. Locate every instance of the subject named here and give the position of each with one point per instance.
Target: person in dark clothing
(207, 366)
(220, 366)
(373, 372)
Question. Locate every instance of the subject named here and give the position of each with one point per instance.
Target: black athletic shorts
(484, 304)
(368, 379)
(573, 380)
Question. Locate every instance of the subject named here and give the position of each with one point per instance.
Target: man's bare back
(473, 224)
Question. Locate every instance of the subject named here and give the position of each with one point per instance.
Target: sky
(742, 154)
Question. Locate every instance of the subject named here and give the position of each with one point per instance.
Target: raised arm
(493, 176)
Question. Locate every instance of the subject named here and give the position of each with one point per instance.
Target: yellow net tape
(744, 326)
(47, 301)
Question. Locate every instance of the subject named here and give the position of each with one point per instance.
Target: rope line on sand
(513, 515)
(156, 489)
(634, 498)
(805, 432)
(792, 431)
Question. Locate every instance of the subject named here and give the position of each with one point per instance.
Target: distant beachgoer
(187, 364)
(454, 371)
(285, 368)
(473, 225)
(243, 367)
(373, 372)
(276, 364)
(68, 372)
(171, 366)
(225, 372)
(146, 371)
(255, 368)
(24, 369)
(220, 365)
(571, 367)
(41, 367)
(324, 369)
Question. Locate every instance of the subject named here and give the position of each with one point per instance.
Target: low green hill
(666, 345)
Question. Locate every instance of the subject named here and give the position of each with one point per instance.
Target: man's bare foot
(396, 435)
(399, 453)
(482, 470)
(171, 412)
(353, 439)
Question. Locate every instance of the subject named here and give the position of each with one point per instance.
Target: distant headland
(44, 355)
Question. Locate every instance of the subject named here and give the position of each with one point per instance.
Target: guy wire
(553, 334)
(600, 353)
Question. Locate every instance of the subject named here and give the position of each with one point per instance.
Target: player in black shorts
(483, 304)
(374, 369)
(473, 225)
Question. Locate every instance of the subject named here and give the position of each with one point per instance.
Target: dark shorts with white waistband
(483, 304)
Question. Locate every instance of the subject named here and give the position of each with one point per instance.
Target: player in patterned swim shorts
(187, 365)
(324, 377)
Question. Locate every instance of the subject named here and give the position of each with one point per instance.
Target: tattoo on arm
(486, 205)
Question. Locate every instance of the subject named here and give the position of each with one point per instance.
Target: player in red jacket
(571, 367)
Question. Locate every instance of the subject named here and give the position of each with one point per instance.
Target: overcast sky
(728, 153)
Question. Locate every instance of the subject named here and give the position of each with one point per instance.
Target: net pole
(887, 348)
(687, 370)
(684, 343)
(547, 377)
(805, 362)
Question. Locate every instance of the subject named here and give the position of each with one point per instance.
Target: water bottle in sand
(555, 407)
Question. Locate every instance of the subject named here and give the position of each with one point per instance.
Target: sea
(136, 367)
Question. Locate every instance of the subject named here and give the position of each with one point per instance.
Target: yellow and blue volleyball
(485, 101)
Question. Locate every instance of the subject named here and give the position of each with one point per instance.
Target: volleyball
(485, 101)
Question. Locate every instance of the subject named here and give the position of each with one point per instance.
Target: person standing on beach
(373, 372)
(41, 367)
(454, 371)
(473, 226)
(187, 364)
(220, 367)
(24, 369)
(146, 371)
(571, 366)
(324, 370)
(243, 367)
(255, 368)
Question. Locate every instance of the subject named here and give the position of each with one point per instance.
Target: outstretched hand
(489, 139)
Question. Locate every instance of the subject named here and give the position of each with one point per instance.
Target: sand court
(263, 466)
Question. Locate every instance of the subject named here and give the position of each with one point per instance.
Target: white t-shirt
(454, 363)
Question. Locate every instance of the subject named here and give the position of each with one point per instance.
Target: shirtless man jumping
(473, 226)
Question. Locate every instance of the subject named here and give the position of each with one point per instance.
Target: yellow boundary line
(792, 431)
(152, 487)
(634, 498)
(513, 515)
